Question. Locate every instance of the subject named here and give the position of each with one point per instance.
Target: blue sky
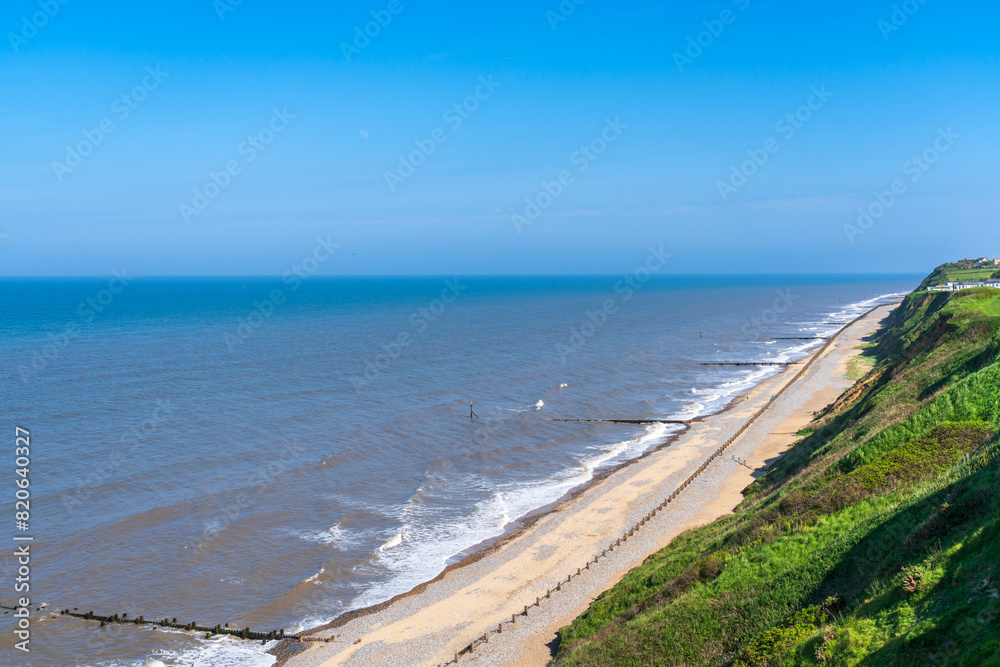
(889, 91)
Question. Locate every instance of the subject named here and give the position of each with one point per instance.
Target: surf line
(634, 421)
(750, 363)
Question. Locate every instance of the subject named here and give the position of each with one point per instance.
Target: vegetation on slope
(874, 541)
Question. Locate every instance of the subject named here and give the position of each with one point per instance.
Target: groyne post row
(471, 647)
(238, 633)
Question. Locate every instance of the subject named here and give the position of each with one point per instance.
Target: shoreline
(288, 648)
(515, 528)
(714, 424)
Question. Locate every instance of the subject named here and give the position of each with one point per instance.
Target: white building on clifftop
(955, 286)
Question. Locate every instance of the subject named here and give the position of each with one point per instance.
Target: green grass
(858, 366)
(984, 299)
(970, 274)
(874, 541)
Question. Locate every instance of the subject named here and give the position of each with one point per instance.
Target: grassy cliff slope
(874, 541)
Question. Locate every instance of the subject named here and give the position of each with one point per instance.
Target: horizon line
(465, 275)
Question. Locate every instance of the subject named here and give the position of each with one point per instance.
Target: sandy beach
(431, 624)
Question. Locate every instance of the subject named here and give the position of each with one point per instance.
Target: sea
(271, 453)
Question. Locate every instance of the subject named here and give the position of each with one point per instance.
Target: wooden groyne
(221, 629)
(123, 619)
(210, 631)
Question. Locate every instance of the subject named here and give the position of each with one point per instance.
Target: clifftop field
(874, 541)
(955, 272)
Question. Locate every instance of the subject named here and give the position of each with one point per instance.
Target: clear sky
(309, 115)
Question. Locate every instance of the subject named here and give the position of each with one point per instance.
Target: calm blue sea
(271, 454)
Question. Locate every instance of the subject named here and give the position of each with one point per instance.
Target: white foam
(334, 536)
(220, 651)
(309, 580)
(392, 542)
(431, 541)
(228, 652)
(504, 519)
(690, 411)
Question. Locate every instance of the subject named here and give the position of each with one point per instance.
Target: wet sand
(429, 625)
